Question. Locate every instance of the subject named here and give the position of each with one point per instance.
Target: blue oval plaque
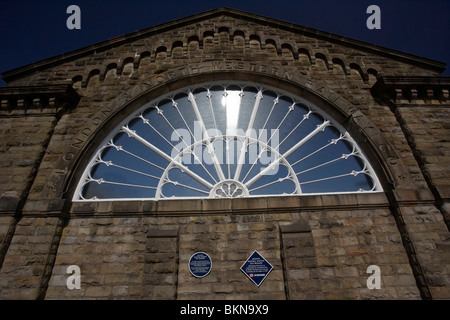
(200, 264)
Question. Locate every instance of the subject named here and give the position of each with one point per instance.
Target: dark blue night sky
(35, 30)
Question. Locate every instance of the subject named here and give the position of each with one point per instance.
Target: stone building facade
(55, 113)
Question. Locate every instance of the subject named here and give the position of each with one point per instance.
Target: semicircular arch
(329, 102)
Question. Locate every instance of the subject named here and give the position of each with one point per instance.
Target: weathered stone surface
(319, 245)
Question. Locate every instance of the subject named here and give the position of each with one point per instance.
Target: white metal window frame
(224, 181)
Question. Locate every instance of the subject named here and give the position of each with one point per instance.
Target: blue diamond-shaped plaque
(256, 268)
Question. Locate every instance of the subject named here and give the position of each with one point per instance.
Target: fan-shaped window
(225, 141)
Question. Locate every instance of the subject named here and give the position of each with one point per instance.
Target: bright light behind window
(232, 102)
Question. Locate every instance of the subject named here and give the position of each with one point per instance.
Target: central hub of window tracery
(229, 189)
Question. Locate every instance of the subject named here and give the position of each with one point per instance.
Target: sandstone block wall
(55, 112)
